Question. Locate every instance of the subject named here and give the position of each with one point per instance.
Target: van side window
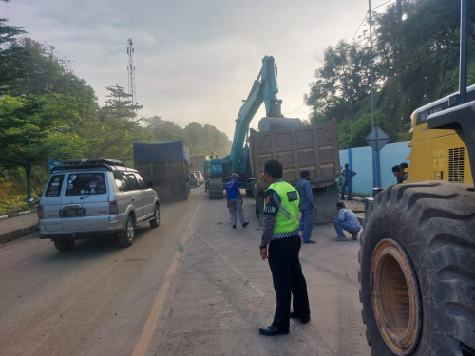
(120, 181)
(140, 181)
(54, 186)
(131, 182)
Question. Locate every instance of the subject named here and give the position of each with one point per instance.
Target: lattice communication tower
(131, 72)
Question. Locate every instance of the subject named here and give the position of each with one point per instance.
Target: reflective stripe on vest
(286, 218)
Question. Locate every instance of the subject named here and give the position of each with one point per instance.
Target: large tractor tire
(417, 270)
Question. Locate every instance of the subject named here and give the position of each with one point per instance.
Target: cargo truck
(166, 166)
(302, 147)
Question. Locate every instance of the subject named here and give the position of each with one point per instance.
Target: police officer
(281, 244)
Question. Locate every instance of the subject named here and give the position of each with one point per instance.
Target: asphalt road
(192, 287)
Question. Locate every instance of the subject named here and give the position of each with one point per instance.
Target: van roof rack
(86, 161)
(107, 163)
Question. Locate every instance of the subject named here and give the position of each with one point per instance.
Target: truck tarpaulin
(166, 166)
(159, 152)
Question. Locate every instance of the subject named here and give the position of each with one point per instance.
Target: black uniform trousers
(288, 279)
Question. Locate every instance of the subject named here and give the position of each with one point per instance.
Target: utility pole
(374, 129)
(463, 51)
(371, 64)
(131, 72)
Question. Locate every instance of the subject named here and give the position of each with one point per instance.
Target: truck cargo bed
(309, 147)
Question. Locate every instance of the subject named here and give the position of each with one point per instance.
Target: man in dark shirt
(348, 175)
(281, 244)
(306, 206)
(398, 173)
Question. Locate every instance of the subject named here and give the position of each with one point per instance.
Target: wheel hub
(395, 297)
(130, 231)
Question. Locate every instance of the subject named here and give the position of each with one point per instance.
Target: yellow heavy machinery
(417, 256)
(438, 154)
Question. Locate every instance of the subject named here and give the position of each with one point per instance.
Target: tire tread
(435, 207)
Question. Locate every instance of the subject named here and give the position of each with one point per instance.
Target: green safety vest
(286, 218)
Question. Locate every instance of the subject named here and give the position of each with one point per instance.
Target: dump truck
(166, 166)
(299, 147)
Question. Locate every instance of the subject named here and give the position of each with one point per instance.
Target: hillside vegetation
(416, 54)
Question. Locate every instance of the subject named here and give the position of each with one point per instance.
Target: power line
(377, 7)
(361, 23)
(366, 15)
(291, 112)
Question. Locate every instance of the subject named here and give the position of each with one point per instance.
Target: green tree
(112, 131)
(34, 128)
(119, 104)
(341, 83)
(9, 34)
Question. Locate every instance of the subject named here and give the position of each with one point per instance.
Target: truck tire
(417, 270)
(215, 189)
(184, 196)
(155, 221)
(181, 192)
(127, 236)
(63, 244)
(215, 194)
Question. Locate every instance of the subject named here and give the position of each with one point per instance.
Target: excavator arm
(264, 90)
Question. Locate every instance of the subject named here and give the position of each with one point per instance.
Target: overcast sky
(195, 60)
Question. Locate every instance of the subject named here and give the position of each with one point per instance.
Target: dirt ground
(194, 286)
(224, 293)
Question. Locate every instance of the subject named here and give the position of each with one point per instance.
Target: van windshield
(85, 184)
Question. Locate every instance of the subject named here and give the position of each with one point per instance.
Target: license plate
(73, 212)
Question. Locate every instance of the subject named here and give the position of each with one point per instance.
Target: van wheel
(126, 237)
(63, 244)
(155, 221)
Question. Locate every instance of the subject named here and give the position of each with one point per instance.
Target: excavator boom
(264, 90)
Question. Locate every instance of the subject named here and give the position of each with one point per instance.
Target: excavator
(417, 255)
(264, 90)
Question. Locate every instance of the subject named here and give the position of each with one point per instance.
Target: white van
(95, 197)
